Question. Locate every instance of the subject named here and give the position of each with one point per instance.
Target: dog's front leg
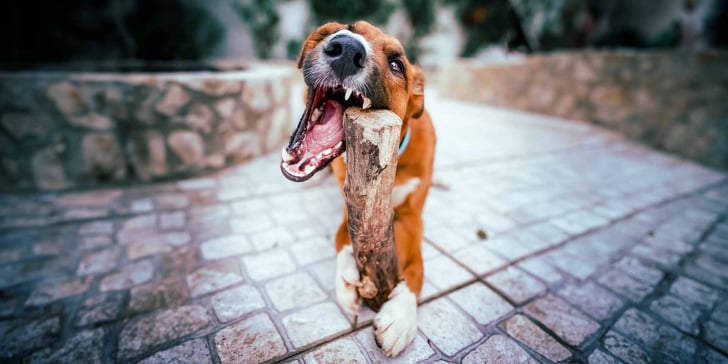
(395, 325)
(347, 273)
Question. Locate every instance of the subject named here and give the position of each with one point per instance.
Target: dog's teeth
(347, 94)
(328, 151)
(339, 144)
(315, 115)
(287, 157)
(366, 103)
(309, 168)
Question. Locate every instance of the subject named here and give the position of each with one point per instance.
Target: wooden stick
(372, 140)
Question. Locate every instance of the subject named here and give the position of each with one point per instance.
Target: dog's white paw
(395, 325)
(347, 281)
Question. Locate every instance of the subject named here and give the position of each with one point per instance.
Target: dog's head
(343, 66)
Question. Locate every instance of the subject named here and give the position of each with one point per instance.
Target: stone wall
(62, 130)
(676, 102)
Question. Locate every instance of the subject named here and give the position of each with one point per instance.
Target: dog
(359, 65)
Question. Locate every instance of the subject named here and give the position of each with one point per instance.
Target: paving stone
(129, 275)
(563, 319)
(268, 264)
(709, 356)
(10, 255)
(156, 244)
(96, 228)
(592, 299)
(446, 327)
(272, 238)
(577, 259)
(236, 302)
(213, 277)
(251, 206)
(720, 313)
(624, 349)
(509, 246)
(548, 233)
(19, 334)
(499, 349)
(260, 340)
(578, 222)
(293, 291)
(313, 249)
(143, 333)
(662, 256)
(525, 331)
(639, 271)
(516, 285)
(712, 265)
(95, 198)
(171, 201)
(189, 352)
(314, 323)
(446, 238)
(197, 184)
(179, 261)
(40, 248)
(251, 223)
(325, 273)
(52, 292)
(83, 347)
(102, 307)
(98, 262)
(225, 246)
(445, 273)
(716, 333)
(479, 260)
(172, 220)
(704, 276)
(415, 352)
(678, 313)
(94, 242)
(167, 293)
(343, 350)
(600, 357)
(624, 284)
(538, 267)
(658, 337)
(481, 303)
(141, 222)
(8, 306)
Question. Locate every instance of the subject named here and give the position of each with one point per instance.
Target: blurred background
(654, 71)
(433, 30)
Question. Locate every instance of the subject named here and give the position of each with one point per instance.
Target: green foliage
(347, 11)
(484, 22)
(263, 20)
(421, 14)
(92, 30)
(172, 30)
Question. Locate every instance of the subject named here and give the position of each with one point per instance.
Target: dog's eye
(396, 66)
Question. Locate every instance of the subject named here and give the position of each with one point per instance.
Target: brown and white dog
(358, 65)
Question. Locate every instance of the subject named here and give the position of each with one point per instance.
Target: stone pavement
(556, 242)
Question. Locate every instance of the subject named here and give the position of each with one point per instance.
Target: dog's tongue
(328, 129)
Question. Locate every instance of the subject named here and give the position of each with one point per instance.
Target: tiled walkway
(556, 241)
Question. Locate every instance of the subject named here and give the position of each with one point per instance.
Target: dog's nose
(346, 55)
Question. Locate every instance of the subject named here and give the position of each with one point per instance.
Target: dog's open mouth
(319, 137)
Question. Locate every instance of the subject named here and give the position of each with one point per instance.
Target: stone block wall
(677, 102)
(61, 130)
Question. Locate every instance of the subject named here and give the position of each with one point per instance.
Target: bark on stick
(372, 140)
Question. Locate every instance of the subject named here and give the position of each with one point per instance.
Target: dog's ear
(317, 36)
(416, 102)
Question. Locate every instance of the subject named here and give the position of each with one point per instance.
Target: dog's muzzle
(346, 55)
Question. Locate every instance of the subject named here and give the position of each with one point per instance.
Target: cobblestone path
(556, 242)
